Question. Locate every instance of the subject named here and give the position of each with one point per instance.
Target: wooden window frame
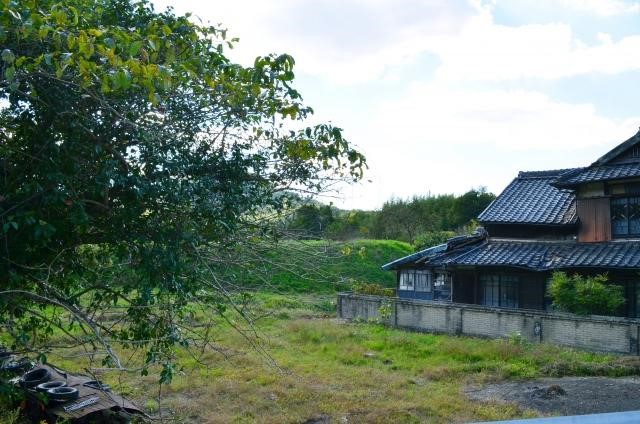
(505, 284)
(614, 203)
(419, 280)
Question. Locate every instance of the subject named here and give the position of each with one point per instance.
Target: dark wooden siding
(532, 291)
(463, 286)
(539, 232)
(595, 219)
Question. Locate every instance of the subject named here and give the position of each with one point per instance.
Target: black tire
(34, 377)
(50, 385)
(63, 394)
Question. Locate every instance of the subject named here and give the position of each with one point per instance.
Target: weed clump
(372, 289)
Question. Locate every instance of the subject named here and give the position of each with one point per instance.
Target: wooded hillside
(420, 221)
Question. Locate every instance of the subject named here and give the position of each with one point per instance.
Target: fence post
(634, 336)
(395, 312)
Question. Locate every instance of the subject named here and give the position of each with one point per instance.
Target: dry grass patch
(354, 372)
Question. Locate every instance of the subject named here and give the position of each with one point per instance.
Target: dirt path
(565, 396)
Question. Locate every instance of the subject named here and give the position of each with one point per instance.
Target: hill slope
(316, 266)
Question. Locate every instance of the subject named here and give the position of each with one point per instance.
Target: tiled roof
(599, 173)
(414, 257)
(531, 199)
(543, 255)
(453, 244)
(533, 255)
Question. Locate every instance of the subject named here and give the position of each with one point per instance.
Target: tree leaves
(121, 80)
(131, 139)
(134, 47)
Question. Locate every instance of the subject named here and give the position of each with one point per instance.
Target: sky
(447, 95)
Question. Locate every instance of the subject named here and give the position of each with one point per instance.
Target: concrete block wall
(604, 334)
(359, 307)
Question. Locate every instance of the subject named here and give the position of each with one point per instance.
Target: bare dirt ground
(565, 396)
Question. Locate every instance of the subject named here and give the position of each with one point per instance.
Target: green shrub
(372, 289)
(585, 295)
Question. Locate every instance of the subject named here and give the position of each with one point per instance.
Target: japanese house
(583, 220)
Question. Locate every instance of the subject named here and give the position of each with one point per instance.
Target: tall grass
(358, 372)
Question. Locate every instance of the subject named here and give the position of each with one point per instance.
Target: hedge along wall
(596, 333)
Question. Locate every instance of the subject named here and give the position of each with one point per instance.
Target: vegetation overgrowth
(145, 177)
(585, 295)
(314, 366)
(373, 289)
(313, 266)
(294, 361)
(135, 156)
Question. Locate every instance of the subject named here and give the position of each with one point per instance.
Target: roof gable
(595, 174)
(621, 162)
(531, 199)
(624, 152)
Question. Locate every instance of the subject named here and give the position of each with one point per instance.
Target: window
(406, 280)
(442, 279)
(442, 286)
(625, 216)
(499, 290)
(490, 290)
(423, 281)
(509, 291)
(418, 280)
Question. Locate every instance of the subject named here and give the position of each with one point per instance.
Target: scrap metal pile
(52, 393)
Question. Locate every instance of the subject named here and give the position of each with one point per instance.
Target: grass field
(316, 366)
(298, 362)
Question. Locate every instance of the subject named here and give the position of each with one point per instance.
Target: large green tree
(131, 148)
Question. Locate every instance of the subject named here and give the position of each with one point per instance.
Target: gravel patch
(565, 396)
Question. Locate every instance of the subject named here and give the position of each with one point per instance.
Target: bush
(585, 295)
(372, 289)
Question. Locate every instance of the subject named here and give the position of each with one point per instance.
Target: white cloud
(510, 119)
(603, 7)
(344, 41)
(486, 51)
(444, 140)
(453, 131)
(358, 41)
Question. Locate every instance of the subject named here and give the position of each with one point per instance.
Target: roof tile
(599, 173)
(531, 199)
(542, 256)
(532, 255)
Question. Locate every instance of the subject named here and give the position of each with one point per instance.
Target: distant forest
(421, 221)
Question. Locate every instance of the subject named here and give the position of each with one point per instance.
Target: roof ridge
(546, 173)
(618, 150)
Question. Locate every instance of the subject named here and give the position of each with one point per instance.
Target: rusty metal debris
(81, 404)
